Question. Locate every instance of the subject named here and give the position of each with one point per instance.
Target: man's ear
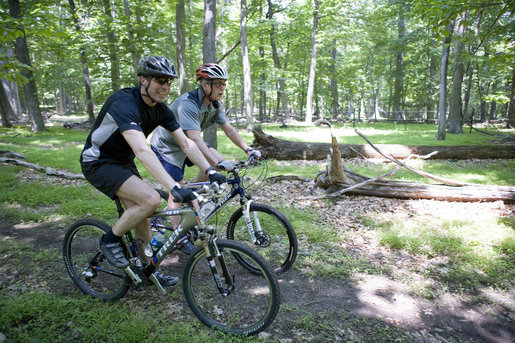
(143, 80)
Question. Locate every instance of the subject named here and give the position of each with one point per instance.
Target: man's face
(159, 88)
(217, 88)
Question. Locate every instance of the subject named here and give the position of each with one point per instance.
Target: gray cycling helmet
(211, 71)
(156, 66)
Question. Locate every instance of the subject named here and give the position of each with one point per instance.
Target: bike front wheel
(276, 239)
(226, 296)
(87, 267)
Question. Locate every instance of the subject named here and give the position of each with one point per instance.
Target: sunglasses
(163, 80)
(218, 84)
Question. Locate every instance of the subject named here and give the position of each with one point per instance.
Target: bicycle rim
(88, 268)
(280, 249)
(249, 308)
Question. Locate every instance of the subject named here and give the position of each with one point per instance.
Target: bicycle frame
(245, 201)
(189, 219)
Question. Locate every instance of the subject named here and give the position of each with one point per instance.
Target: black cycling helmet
(211, 71)
(156, 66)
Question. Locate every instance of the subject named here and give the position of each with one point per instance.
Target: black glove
(225, 165)
(216, 177)
(182, 194)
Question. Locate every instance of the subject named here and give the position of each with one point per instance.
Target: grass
(477, 253)
(37, 317)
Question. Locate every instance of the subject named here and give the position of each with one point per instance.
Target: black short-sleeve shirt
(124, 110)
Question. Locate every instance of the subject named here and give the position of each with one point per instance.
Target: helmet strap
(208, 96)
(146, 90)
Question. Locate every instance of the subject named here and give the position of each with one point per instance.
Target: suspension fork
(253, 231)
(213, 254)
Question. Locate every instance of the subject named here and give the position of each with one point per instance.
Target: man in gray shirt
(195, 111)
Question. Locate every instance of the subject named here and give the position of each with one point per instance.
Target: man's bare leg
(142, 232)
(142, 200)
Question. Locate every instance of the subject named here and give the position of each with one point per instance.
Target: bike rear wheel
(252, 304)
(87, 267)
(278, 243)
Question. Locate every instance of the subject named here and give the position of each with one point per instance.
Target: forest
(295, 60)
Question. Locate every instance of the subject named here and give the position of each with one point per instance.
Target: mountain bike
(219, 290)
(258, 225)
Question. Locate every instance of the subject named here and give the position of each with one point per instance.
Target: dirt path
(320, 309)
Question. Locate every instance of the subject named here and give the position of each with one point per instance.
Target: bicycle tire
(281, 249)
(87, 267)
(259, 294)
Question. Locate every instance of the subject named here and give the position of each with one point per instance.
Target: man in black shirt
(117, 137)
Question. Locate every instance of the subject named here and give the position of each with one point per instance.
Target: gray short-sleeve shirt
(192, 114)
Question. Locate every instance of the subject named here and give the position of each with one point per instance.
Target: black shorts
(108, 176)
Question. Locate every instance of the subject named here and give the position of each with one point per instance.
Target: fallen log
(354, 183)
(49, 171)
(407, 190)
(272, 147)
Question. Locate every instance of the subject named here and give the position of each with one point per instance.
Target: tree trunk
(181, 47)
(493, 104)
(90, 107)
(312, 67)
(455, 104)
(334, 84)
(511, 111)
(5, 104)
(262, 89)
(277, 64)
(399, 69)
(430, 106)
(279, 149)
(112, 46)
(209, 56)
(135, 56)
(470, 75)
(247, 82)
(29, 89)
(442, 106)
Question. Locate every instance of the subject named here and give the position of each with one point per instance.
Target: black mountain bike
(218, 288)
(257, 225)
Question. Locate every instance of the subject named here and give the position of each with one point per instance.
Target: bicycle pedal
(156, 282)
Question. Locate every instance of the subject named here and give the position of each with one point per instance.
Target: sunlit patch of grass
(479, 251)
(327, 261)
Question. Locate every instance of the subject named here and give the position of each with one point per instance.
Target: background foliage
(358, 46)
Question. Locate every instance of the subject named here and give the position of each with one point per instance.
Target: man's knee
(153, 201)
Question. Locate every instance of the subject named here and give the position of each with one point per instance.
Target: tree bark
(277, 63)
(455, 120)
(430, 107)
(181, 47)
(511, 111)
(334, 84)
(135, 56)
(209, 56)
(312, 66)
(112, 46)
(29, 89)
(90, 107)
(442, 106)
(399, 69)
(278, 149)
(247, 82)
